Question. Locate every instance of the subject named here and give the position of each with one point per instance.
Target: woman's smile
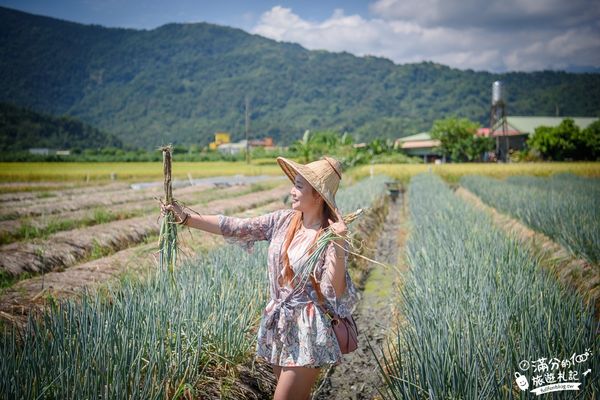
(301, 194)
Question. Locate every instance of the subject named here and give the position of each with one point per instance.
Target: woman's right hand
(175, 208)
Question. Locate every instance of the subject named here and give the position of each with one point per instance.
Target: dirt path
(358, 376)
(570, 271)
(67, 248)
(17, 191)
(117, 205)
(101, 198)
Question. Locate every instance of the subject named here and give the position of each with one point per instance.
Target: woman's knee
(295, 383)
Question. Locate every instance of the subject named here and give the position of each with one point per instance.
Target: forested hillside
(21, 129)
(181, 82)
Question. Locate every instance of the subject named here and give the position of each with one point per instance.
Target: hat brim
(292, 168)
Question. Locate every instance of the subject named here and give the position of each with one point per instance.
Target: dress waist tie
(281, 313)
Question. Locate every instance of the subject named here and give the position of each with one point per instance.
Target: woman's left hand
(339, 227)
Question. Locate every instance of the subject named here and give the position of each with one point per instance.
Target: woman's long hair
(295, 224)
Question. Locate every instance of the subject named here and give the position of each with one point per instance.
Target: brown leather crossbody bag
(345, 330)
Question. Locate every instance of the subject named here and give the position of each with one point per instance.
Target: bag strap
(325, 311)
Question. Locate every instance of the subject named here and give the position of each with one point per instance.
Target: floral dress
(293, 330)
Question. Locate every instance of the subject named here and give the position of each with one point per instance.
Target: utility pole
(247, 129)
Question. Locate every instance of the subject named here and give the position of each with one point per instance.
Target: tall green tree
(567, 141)
(458, 139)
(589, 143)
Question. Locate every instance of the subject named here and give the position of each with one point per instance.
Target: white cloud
(575, 46)
(462, 34)
(338, 33)
(492, 14)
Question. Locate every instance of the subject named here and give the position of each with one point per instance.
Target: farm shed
(44, 151)
(420, 145)
(527, 125)
(232, 148)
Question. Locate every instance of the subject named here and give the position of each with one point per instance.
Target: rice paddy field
(452, 172)
(480, 311)
(78, 172)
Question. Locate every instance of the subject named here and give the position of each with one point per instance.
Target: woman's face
(303, 196)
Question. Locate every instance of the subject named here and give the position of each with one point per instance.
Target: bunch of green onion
(308, 267)
(167, 244)
(167, 239)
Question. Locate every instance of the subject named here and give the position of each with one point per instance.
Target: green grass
(45, 195)
(252, 188)
(7, 280)
(379, 283)
(41, 191)
(98, 216)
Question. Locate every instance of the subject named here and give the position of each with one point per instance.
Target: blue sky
(149, 14)
(493, 35)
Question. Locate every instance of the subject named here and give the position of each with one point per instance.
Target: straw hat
(323, 175)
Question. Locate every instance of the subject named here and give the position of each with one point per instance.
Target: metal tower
(498, 121)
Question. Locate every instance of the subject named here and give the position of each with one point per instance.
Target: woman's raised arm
(241, 231)
(208, 223)
(245, 231)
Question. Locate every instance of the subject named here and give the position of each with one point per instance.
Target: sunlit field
(79, 171)
(37, 172)
(453, 172)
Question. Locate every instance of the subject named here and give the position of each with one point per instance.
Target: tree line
(21, 129)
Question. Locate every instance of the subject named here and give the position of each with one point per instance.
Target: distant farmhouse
(48, 152)
(223, 144)
(420, 145)
(220, 138)
(519, 129)
(232, 148)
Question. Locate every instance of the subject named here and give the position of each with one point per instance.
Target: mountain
(21, 129)
(582, 69)
(180, 83)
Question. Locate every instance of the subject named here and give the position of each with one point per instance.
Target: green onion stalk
(167, 239)
(308, 267)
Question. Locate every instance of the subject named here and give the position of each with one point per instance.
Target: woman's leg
(295, 383)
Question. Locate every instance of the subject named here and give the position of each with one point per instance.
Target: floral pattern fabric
(293, 331)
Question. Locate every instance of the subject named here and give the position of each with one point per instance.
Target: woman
(295, 334)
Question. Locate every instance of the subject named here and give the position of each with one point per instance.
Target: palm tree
(304, 146)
